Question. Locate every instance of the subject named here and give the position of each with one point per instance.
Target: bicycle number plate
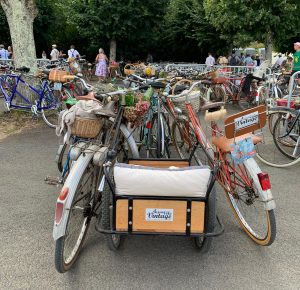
(242, 150)
(57, 86)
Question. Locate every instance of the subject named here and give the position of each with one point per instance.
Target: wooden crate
(144, 218)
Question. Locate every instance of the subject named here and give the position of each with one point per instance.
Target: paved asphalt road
(27, 247)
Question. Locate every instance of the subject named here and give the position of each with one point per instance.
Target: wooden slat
(122, 215)
(230, 131)
(160, 163)
(178, 225)
(197, 217)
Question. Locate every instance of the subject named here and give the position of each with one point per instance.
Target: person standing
(54, 53)
(3, 53)
(10, 52)
(248, 60)
(73, 53)
(234, 60)
(279, 61)
(44, 54)
(296, 55)
(210, 60)
(101, 65)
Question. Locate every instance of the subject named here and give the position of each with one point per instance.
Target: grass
(15, 121)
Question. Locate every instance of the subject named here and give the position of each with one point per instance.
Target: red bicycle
(246, 186)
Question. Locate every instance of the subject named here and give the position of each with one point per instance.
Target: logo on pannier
(159, 214)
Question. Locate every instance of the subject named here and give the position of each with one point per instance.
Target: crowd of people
(234, 60)
(289, 63)
(101, 59)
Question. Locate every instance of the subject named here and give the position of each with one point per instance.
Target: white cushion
(151, 181)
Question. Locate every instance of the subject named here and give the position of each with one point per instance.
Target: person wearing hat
(54, 54)
(296, 62)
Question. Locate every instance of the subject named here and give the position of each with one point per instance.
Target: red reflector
(148, 125)
(264, 180)
(58, 212)
(64, 193)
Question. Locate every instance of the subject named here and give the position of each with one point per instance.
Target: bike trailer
(158, 196)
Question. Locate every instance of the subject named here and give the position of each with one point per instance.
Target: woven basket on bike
(58, 76)
(135, 113)
(86, 127)
(129, 69)
(194, 97)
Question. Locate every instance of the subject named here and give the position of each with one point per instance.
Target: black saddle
(158, 85)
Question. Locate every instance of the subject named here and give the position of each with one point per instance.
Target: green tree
(188, 34)
(130, 24)
(241, 21)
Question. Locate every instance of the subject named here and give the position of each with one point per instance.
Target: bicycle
(39, 99)
(82, 194)
(246, 186)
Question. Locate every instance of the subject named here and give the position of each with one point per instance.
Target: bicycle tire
(113, 241)
(264, 233)
(268, 151)
(61, 157)
(64, 261)
(203, 244)
(159, 136)
(50, 116)
(289, 147)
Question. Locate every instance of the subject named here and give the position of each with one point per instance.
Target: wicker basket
(86, 128)
(128, 69)
(58, 76)
(194, 98)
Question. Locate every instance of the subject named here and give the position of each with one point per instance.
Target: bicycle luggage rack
(189, 214)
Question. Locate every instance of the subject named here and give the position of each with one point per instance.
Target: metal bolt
(188, 224)
(130, 223)
(188, 210)
(130, 208)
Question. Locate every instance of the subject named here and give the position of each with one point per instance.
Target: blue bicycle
(44, 98)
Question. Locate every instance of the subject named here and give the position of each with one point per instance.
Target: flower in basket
(141, 107)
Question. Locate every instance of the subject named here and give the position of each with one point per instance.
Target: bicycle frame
(38, 102)
(226, 170)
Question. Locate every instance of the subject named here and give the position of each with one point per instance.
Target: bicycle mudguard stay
(265, 195)
(63, 206)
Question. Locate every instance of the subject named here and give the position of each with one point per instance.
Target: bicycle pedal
(52, 180)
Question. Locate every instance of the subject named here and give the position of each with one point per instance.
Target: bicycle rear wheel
(258, 223)
(68, 246)
(160, 136)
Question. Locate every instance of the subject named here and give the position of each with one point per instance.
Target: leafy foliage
(242, 21)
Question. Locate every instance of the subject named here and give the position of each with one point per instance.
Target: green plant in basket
(130, 99)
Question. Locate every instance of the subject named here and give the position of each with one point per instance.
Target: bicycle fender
(71, 184)
(131, 142)
(265, 195)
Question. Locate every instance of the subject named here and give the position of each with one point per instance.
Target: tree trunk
(20, 15)
(112, 50)
(268, 45)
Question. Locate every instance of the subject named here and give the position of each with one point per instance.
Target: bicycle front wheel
(53, 100)
(68, 246)
(243, 195)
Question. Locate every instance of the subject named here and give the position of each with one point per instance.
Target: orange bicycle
(247, 188)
